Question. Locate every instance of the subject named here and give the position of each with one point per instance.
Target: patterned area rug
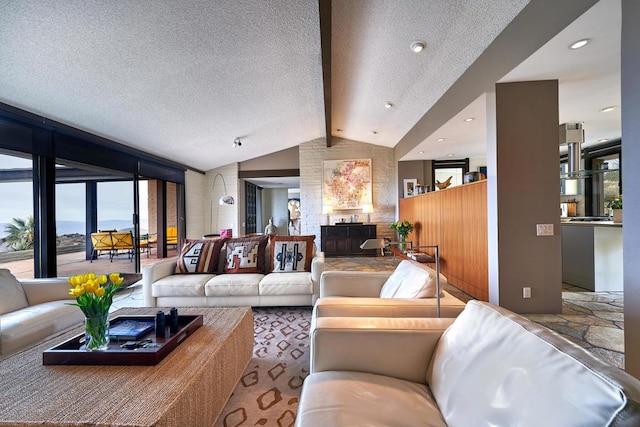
(269, 390)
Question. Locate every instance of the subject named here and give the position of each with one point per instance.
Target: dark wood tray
(71, 352)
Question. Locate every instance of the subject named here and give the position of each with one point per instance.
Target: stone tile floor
(593, 320)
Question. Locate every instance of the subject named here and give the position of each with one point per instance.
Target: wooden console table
(345, 239)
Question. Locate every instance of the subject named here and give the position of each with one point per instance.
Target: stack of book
(419, 256)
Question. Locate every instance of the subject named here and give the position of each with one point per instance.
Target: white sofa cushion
(34, 323)
(508, 371)
(364, 399)
(178, 285)
(450, 306)
(12, 295)
(411, 279)
(233, 284)
(286, 284)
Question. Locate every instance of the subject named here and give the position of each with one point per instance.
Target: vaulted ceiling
(183, 79)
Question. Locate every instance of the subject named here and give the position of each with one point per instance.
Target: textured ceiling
(181, 79)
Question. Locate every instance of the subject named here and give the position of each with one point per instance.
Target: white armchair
(409, 291)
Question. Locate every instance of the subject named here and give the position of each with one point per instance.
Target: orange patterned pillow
(290, 254)
(199, 256)
(246, 255)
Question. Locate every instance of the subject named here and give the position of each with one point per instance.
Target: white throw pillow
(13, 297)
(410, 280)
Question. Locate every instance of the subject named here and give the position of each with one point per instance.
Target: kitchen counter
(564, 222)
(592, 255)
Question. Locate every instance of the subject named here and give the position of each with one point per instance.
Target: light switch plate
(544, 229)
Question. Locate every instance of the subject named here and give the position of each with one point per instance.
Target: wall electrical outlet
(544, 229)
(526, 292)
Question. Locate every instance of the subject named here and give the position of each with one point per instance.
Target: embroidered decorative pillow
(246, 255)
(291, 253)
(199, 256)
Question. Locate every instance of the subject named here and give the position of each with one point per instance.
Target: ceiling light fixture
(450, 155)
(420, 152)
(578, 44)
(388, 105)
(603, 140)
(441, 139)
(418, 46)
(469, 119)
(237, 143)
(608, 109)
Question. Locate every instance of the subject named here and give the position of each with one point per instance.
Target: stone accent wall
(196, 207)
(312, 156)
(171, 201)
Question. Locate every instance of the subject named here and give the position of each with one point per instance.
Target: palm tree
(19, 235)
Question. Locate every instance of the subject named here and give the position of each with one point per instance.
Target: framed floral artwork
(346, 184)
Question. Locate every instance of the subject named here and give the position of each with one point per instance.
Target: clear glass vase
(96, 332)
(403, 243)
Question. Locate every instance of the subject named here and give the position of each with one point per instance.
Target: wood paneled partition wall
(455, 219)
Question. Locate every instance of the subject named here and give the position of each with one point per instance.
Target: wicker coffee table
(188, 388)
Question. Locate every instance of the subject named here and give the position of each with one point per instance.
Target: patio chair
(101, 242)
(172, 236)
(146, 243)
(123, 241)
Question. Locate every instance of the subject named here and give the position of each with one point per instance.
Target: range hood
(572, 135)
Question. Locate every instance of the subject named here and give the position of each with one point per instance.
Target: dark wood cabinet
(345, 239)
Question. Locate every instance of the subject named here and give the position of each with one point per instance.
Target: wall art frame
(346, 184)
(410, 187)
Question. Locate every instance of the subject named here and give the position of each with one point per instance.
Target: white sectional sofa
(31, 310)
(408, 291)
(486, 367)
(163, 287)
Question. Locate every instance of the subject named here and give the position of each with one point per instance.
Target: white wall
(312, 156)
(222, 216)
(274, 203)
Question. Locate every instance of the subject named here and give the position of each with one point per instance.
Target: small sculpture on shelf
(443, 185)
(270, 228)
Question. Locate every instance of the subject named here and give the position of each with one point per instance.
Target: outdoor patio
(75, 263)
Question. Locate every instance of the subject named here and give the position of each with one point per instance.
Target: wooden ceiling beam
(325, 47)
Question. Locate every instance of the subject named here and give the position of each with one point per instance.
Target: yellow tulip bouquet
(94, 295)
(403, 228)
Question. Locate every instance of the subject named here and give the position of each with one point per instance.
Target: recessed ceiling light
(607, 109)
(418, 46)
(603, 140)
(441, 139)
(450, 155)
(578, 44)
(388, 105)
(420, 152)
(469, 119)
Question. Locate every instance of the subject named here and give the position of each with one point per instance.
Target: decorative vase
(403, 243)
(96, 332)
(617, 216)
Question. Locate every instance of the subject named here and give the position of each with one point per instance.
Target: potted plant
(615, 205)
